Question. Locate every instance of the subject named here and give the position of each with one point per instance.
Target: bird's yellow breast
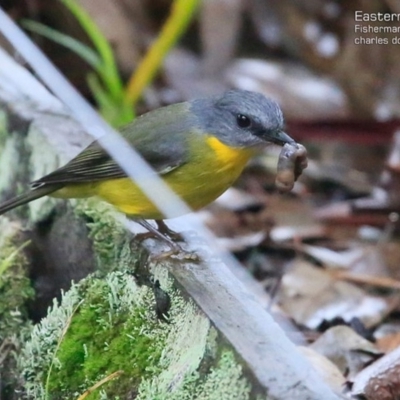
(212, 167)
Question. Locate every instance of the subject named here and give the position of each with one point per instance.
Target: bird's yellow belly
(198, 183)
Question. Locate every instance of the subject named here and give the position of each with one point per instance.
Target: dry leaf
(310, 295)
(346, 349)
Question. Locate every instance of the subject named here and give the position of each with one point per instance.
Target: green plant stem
(109, 71)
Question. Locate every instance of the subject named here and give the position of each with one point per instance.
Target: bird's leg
(166, 235)
(165, 230)
(154, 232)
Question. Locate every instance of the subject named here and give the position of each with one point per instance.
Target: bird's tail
(27, 197)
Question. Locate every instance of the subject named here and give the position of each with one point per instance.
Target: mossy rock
(110, 325)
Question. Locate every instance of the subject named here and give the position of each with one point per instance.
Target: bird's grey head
(241, 118)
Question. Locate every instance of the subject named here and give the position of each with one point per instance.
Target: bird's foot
(178, 253)
(167, 236)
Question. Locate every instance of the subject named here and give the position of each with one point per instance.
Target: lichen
(107, 325)
(223, 380)
(37, 355)
(183, 352)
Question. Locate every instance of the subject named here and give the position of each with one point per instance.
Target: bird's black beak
(280, 138)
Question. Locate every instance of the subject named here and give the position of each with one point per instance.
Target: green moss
(15, 288)
(15, 291)
(111, 240)
(95, 347)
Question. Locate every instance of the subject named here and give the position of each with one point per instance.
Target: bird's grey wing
(163, 147)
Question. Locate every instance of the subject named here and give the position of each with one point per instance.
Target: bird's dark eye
(243, 121)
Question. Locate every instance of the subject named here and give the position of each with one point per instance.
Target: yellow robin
(199, 148)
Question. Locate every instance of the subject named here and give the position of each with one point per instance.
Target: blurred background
(303, 53)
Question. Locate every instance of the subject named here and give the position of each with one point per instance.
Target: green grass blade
(109, 71)
(85, 52)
